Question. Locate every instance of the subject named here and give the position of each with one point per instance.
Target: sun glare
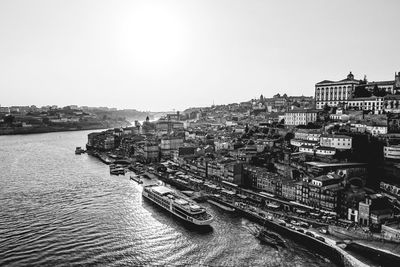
(153, 36)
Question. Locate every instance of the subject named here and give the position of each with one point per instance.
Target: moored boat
(79, 150)
(136, 179)
(264, 233)
(266, 239)
(117, 170)
(181, 207)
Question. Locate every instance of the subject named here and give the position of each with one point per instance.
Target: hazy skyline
(164, 55)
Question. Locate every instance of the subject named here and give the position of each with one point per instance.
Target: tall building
(334, 93)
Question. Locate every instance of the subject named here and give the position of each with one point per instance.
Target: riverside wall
(336, 254)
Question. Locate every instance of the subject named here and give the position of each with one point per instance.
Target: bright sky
(163, 55)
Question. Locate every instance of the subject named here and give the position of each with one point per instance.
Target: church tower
(397, 81)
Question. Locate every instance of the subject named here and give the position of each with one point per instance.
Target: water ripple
(59, 209)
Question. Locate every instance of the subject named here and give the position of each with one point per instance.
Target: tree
(46, 120)
(9, 119)
(360, 91)
(289, 136)
(326, 108)
(378, 91)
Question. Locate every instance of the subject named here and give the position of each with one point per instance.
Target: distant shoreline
(38, 130)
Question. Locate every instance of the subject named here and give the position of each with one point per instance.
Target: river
(58, 208)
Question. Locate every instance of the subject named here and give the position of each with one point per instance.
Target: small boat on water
(79, 150)
(266, 235)
(117, 170)
(136, 179)
(266, 239)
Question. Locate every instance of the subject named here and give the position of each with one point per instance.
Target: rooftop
(335, 136)
(162, 190)
(344, 164)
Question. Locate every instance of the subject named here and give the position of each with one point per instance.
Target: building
(289, 190)
(260, 178)
(339, 117)
(151, 151)
(373, 103)
(391, 231)
(373, 209)
(300, 117)
(302, 142)
(221, 145)
(391, 152)
(169, 144)
(307, 135)
(376, 129)
(336, 141)
(325, 151)
(225, 170)
(302, 192)
(168, 126)
(390, 87)
(333, 93)
(102, 141)
(324, 192)
(391, 103)
(306, 149)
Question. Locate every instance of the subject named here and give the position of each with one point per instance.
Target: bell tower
(397, 80)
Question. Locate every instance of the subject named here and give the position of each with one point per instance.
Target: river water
(58, 208)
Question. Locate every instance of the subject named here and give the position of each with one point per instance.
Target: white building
(318, 151)
(313, 136)
(221, 145)
(372, 103)
(339, 117)
(300, 117)
(376, 130)
(336, 141)
(306, 149)
(301, 142)
(391, 152)
(392, 103)
(333, 93)
(325, 151)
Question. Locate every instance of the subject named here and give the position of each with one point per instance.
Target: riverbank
(327, 248)
(50, 129)
(324, 244)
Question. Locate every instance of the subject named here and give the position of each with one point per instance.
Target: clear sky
(163, 55)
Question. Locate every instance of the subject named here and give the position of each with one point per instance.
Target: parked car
(304, 224)
(310, 234)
